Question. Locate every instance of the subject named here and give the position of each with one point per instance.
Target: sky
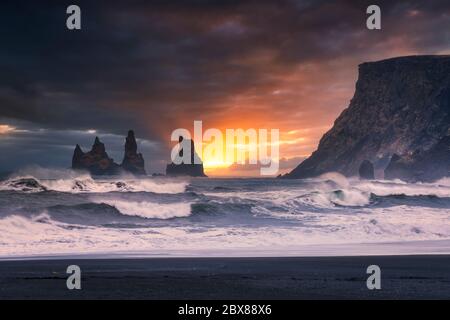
(154, 66)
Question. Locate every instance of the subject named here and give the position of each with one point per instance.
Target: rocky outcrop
(401, 106)
(426, 166)
(366, 170)
(97, 161)
(193, 168)
(132, 161)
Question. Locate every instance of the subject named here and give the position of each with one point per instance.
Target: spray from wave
(147, 209)
(86, 184)
(68, 213)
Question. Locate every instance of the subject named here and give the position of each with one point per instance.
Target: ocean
(60, 213)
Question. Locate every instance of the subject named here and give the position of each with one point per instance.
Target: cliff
(97, 161)
(427, 165)
(192, 168)
(401, 107)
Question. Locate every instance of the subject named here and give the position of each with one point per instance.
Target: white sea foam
(348, 198)
(149, 210)
(336, 177)
(40, 235)
(443, 182)
(344, 192)
(388, 188)
(292, 218)
(292, 200)
(85, 184)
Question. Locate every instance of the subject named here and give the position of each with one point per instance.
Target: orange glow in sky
(4, 129)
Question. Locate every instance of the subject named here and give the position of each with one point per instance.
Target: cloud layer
(158, 65)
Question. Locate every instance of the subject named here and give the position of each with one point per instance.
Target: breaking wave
(86, 184)
(42, 234)
(73, 213)
(149, 210)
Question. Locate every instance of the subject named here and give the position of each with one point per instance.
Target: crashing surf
(76, 214)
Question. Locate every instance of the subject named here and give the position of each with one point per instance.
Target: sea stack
(401, 107)
(366, 170)
(132, 161)
(97, 161)
(429, 165)
(193, 169)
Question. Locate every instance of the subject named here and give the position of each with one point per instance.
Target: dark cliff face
(132, 161)
(97, 161)
(192, 169)
(427, 165)
(401, 106)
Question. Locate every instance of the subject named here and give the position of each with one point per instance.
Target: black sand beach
(402, 277)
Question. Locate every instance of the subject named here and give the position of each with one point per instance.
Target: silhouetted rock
(401, 106)
(366, 170)
(157, 174)
(132, 162)
(97, 161)
(428, 165)
(194, 168)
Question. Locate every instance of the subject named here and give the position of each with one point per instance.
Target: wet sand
(402, 277)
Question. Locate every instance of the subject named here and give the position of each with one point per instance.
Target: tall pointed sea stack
(97, 161)
(132, 161)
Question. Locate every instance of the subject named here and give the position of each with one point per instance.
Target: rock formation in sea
(97, 161)
(132, 161)
(401, 109)
(194, 168)
(429, 165)
(366, 170)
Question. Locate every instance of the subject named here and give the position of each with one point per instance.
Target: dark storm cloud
(54, 148)
(151, 55)
(156, 65)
